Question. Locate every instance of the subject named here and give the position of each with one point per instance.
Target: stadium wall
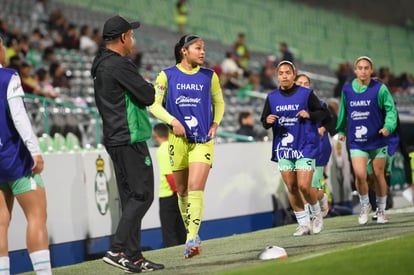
(82, 215)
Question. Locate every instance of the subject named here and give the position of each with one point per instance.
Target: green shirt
(385, 102)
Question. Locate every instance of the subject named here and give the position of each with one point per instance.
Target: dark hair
(284, 44)
(15, 59)
(53, 67)
(41, 74)
(25, 64)
(243, 115)
(48, 51)
(304, 75)
(72, 26)
(184, 42)
(84, 30)
(96, 31)
(161, 130)
(286, 62)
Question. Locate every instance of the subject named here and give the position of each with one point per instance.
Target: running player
(189, 99)
(291, 111)
(368, 113)
(393, 144)
(324, 153)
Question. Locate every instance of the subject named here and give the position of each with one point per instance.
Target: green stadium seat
(319, 35)
(72, 142)
(46, 143)
(59, 143)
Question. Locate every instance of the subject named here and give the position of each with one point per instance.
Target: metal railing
(46, 103)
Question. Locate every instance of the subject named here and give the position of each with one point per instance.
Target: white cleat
(363, 216)
(317, 223)
(302, 230)
(381, 217)
(324, 205)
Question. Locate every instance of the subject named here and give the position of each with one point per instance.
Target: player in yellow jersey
(172, 226)
(189, 99)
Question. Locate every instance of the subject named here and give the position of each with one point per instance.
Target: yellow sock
(182, 205)
(195, 213)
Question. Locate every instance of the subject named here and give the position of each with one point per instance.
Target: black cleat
(120, 260)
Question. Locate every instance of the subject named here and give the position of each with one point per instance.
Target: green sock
(195, 213)
(182, 205)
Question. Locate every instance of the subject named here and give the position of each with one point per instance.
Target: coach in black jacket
(121, 96)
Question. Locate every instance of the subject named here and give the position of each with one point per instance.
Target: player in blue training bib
(369, 115)
(292, 112)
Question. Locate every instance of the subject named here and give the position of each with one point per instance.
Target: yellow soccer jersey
(161, 84)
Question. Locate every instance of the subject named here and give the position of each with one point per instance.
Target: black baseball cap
(117, 25)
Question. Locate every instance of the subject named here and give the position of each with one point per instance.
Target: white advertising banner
(83, 199)
(66, 202)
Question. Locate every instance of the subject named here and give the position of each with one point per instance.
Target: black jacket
(316, 111)
(121, 96)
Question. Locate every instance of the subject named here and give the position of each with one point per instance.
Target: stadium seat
(320, 39)
(59, 143)
(72, 142)
(46, 143)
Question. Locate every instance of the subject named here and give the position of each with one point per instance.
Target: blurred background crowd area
(52, 44)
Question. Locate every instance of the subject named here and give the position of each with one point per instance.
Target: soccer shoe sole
(115, 264)
(193, 252)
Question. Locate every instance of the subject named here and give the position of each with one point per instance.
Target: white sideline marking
(337, 250)
(390, 211)
(401, 210)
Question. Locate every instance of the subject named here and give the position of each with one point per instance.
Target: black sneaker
(375, 217)
(146, 265)
(120, 260)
